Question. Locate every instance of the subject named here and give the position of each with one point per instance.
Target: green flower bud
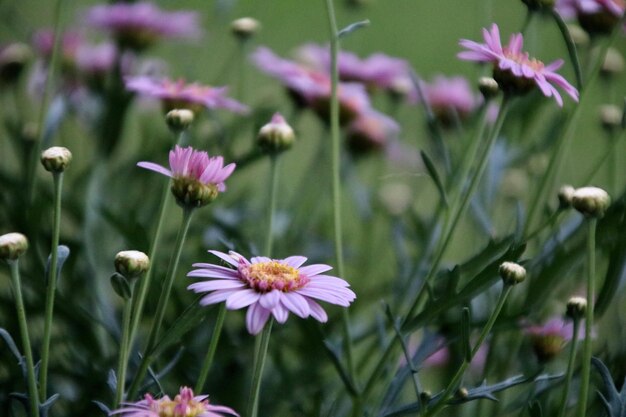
(512, 273)
(277, 135)
(566, 193)
(131, 263)
(245, 27)
(488, 87)
(56, 159)
(179, 120)
(191, 193)
(591, 201)
(576, 307)
(12, 246)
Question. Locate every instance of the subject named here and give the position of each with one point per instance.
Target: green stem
(28, 353)
(587, 345)
(561, 147)
(51, 286)
(260, 355)
(31, 174)
(273, 192)
(457, 213)
(336, 170)
(208, 360)
(124, 350)
(570, 367)
(162, 304)
(456, 380)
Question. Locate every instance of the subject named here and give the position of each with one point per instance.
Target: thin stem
(260, 355)
(456, 380)
(210, 354)
(51, 286)
(273, 192)
(163, 299)
(336, 170)
(28, 353)
(587, 345)
(124, 349)
(570, 367)
(36, 149)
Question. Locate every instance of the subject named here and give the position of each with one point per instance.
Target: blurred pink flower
(139, 25)
(178, 94)
(311, 87)
(371, 131)
(614, 7)
(377, 70)
(96, 59)
(514, 70)
(43, 42)
(548, 339)
(448, 96)
(184, 404)
(270, 287)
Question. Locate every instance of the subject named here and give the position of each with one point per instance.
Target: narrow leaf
(571, 47)
(614, 274)
(11, 344)
(44, 408)
(432, 172)
(62, 254)
(352, 27)
(334, 356)
(465, 334)
(105, 410)
(193, 315)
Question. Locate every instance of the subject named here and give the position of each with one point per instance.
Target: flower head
(450, 96)
(139, 25)
(371, 131)
(513, 69)
(548, 339)
(197, 178)
(310, 87)
(180, 95)
(184, 404)
(277, 135)
(597, 16)
(270, 286)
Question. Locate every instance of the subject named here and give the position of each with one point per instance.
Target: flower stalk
(260, 355)
(210, 354)
(570, 367)
(273, 193)
(124, 348)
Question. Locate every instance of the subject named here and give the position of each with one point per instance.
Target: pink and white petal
(280, 313)
(227, 257)
(317, 312)
(214, 285)
(155, 167)
(296, 303)
(256, 317)
(209, 172)
(313, 270)
(330, 280)
(324, 295)
(241, 299)
(225, 172)
(221, 409)
(259, 259)
(295, 261)
(216, 297)
(212, 273)
(553, 66)
(270, 299)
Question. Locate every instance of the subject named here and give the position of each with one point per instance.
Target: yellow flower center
(180, 408)
(273, 275)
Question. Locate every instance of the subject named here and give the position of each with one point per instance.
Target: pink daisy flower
(184, 404)
(139, 25)
(449, 95)
(179, 95)
(513, 69)
(270, 287)
(371, 131)
(548, 339)
(196, 177)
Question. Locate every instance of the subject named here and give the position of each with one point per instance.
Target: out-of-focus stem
(208, 360)
(260, 355)
(570, 367)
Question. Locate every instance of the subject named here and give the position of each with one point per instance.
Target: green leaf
(434, 175)
(465, 334)
(352, 27)
(193, 315)
(11, 344)
(615, 401)
(571, 47)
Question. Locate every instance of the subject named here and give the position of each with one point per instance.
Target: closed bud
(277, 135)
(576, 307)
(591, 201)
(179, 120)
(13, 60)
(56, 159)
(245, 27)
(426, 396)
(578, 34)
(512, 273)
(462, 393)
(613, 63)
(565, 195)
(611, 117)
(131, 263)
(191, 193)
(12, 246)
(488, 87)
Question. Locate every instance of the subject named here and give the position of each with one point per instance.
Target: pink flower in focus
(371, 131)
(450, 97)
(196, 177)
(185, 404)
(312, 87)
(139, 25)
(270, 287)
(179, 95)
(514, 70)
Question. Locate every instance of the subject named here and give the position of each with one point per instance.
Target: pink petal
(317, 312)
(256, 317)
(270, 300)
(312, 270)
(296, 303)
(225, 257)
(155, 167)
(241, 299)
(280, 313)
(216, 297)
(213, 285)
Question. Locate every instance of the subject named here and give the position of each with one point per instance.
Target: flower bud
(276, 136)
(13, 59)
(591, 201)
(512, 273)
(576, 307)
(611, 117)
(131, 263)
(547, 346)
(488, 87)
(12, 246)
(245, 27)
(613, 63)
(191, 193)
(578, 34)
(565, 195)
(179, 120)
(56, 159)
(462, 393)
